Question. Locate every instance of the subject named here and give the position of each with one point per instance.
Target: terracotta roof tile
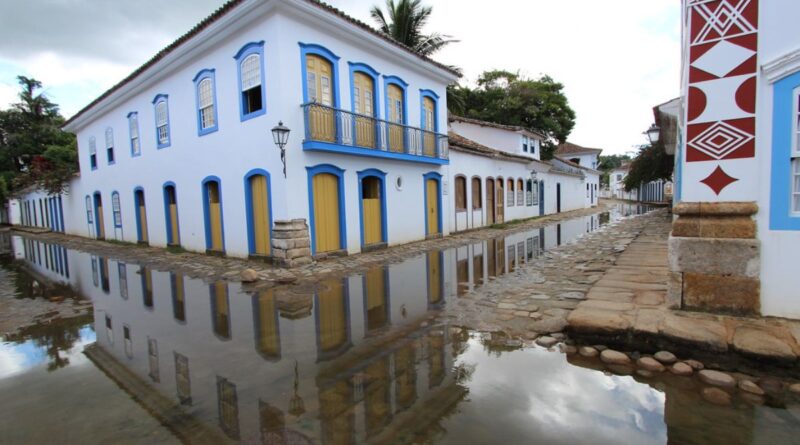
(454, 118)
(568, 148)
(468, 145)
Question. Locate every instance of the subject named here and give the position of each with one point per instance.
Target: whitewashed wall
(499, 139)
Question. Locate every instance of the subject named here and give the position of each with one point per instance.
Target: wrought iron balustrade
(332, 125)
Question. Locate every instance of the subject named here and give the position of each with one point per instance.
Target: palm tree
(406, 18)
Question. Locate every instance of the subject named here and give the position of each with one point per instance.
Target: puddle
(363, 359)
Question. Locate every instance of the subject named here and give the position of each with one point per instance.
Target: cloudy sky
(616, 59)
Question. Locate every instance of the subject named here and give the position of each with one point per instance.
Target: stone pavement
(629, 303)
(538, 296)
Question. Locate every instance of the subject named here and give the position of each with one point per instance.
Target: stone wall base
(714, 258)
(291, 245)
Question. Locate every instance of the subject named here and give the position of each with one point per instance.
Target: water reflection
(363, 359)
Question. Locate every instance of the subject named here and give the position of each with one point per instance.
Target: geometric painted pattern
(720, 140)
(718, 180)
(723, 64)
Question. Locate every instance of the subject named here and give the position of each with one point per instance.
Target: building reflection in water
(360, 351)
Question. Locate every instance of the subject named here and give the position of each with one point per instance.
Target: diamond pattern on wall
(718, 180)
(720, 140)
(723, 36)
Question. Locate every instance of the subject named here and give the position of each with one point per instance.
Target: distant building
(583, 156)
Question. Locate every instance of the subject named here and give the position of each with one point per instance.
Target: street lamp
(653, 133)
(280, 134)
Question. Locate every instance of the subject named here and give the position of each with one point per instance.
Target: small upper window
(93, 153)
(525, 143)
(206, 102)
(133, 129)
(251, 80)
(110, 145)
(162, 121)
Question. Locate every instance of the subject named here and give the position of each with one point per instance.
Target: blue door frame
(541, 198)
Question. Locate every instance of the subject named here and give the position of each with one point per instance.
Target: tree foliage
(512, 99)
(404, 21)
(650, 164)
(33, 148)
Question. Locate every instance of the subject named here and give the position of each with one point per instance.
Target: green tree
(404, 21)
(606, 163)
(650, 164)
(33, 148)
(512, 99)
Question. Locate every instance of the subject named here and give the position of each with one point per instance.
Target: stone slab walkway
(629, 303)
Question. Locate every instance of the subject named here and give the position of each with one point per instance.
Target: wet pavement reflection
(363, 359)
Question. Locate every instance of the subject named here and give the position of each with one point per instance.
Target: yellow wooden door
(215, 216)
(434, 277)
(221, 311)
(490, 201)
(375, 283)
(173, 216)
(499, 200)
(395, 97)
(332, 316)
(147, 284)
(259, 197)
(429, 139)
(364, 97)
(371, 210)
(432, 190)
(267, 335)
(143, 218)
(326, 212)
(319, 89)
(101, 226)
(178, 297)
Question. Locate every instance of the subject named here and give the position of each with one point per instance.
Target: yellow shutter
(319, 89)
(432, 191)
(429, 141)
(395, 98)
(364, 98)
(259, 196)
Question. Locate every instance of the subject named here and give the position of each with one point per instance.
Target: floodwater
(365, 359)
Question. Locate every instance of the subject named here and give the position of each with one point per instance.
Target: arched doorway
(373, 207)
(259, 215)
(212, 207)
(99, 220)
(490, 209)
(327, 209)
(171, 213)
(141, 216)
(499, 201)
(433, 213)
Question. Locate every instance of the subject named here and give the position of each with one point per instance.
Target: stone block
(282, 243)
(719, 293)
(714, 227)
(597, 321)
(289, 234)
(706, 334)
(674, 290)
(295, 224)
(759, 343)
(713, 256)
(716, 208)
(298, 253)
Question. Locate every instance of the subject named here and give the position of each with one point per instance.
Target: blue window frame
(339, 173)
(161, 111)
(403, 85)
(785, 175)
(93, 153)
(381, 176)
(117, 210)
(424, 120)
(250, 75)
(110, 146)
(205, 89)
(372, 73)
(133, 133)
(325, 53)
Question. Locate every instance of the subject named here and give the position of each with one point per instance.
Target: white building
(180, 153)
(616, 183)
(737, 159)
(497, 176)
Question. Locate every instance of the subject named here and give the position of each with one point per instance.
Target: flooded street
(367, 358)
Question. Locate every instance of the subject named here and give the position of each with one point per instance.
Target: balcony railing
(334, 126)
